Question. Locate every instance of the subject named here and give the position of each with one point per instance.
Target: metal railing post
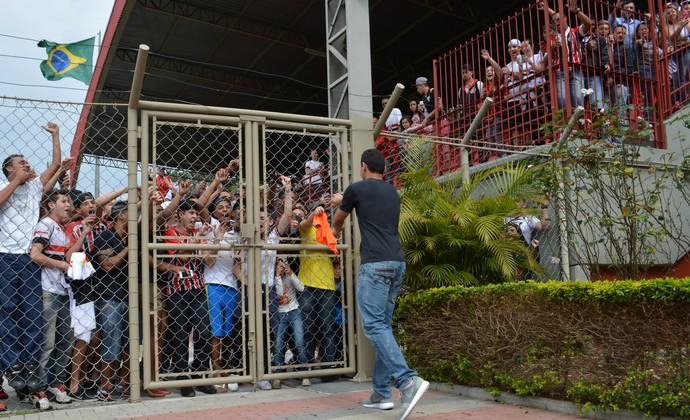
(561, 197)
(464, 155)
(132, 226)
(397, 91)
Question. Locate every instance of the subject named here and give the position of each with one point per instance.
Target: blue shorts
(112, 318)
(222, 301)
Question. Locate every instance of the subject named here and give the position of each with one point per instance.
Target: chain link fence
(271, 306)
(234, 290)
(56, 324)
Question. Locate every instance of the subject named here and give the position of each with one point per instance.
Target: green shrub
(603, 345)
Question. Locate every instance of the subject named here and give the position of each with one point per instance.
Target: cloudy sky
(24, 22)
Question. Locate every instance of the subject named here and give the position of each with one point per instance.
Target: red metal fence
(545, 60)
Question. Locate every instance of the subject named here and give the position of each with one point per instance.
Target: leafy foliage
(454, 233)
(618, 194)
(604, 345)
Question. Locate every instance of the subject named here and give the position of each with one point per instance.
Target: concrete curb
(558, 406)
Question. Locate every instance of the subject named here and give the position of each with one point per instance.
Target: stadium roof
(264, 54)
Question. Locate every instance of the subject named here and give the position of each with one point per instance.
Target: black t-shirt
(113, 284)
(378, 211)
(429, 100)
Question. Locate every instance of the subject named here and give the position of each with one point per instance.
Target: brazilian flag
(68, 60)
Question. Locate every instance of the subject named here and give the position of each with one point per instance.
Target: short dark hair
(374, 160)
(217, 201)
(186, 205)
(6, 163)
(52, 196)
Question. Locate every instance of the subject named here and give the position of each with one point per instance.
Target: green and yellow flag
(68, 60)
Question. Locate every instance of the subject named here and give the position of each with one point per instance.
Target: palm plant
(454, 233)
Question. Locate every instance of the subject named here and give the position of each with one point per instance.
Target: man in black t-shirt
(429, 98)
(109, 253)
(379, 280)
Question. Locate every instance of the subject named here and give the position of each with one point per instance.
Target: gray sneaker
(410, 395)
(377, 401)
(264, 385)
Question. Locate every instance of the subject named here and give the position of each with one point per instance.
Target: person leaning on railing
(645, 52)
(622, 64)
(596, 57)
(569, 36)
(675, 27)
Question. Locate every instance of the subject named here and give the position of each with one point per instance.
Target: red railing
(535, 87)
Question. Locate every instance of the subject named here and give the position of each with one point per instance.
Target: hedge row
(604, 345)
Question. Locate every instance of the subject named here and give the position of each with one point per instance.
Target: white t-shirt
(527, 225)
(515, 83)
(268, 259)
(18, 217)
(393, 120)
(221, 272)
(314, 177)
(49, 233)
(537, 59)
(286, 289)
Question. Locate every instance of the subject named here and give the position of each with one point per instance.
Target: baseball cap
(421, 81)
(81, 197)
(515, 42)
(74, 194)
(117, 208)
(468, 67)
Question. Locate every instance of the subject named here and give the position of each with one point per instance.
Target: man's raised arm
(54, 131)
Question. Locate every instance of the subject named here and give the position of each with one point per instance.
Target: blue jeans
(318, 308)
(575, 79)
(620, 93)
(378, 285)
(112, 318)
(21, 323)
(647, 73)
(293, 321)
(57, 331)
(596, 98)
(389, 169)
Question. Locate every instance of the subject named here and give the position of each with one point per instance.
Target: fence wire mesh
(290, 294)
(238, 292)
(63, 328)
(64, 258)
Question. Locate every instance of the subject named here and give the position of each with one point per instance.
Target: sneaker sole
(417, 396)
(380, 406)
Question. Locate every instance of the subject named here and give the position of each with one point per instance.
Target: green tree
(625, 201)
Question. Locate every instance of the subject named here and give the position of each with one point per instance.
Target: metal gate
(197, 335)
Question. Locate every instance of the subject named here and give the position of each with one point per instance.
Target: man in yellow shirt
(318, 300)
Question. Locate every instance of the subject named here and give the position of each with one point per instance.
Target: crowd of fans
(64, 253)
(594, 54)
(64, 260)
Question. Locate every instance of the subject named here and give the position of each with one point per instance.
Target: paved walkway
(340, 399)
